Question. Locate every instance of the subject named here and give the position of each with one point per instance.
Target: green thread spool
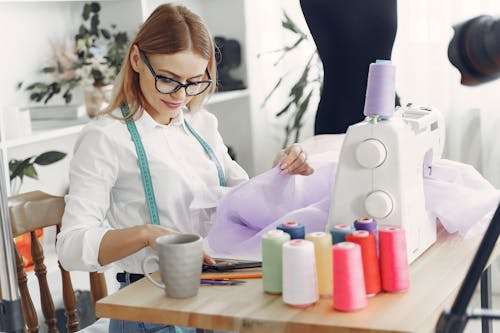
(272, 272)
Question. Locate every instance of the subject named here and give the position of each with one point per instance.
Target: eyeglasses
(166, 85)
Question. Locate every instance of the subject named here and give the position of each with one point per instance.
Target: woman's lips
(172, 105)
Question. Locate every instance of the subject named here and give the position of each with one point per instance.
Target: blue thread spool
(339, 232)
(295, 229)
(366, 223)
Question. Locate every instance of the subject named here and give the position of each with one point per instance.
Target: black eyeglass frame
(179, 84)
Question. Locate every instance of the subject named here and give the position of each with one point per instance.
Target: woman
(175, 156)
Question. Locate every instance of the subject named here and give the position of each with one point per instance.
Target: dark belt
(122, 277)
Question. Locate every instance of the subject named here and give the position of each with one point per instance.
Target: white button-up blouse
(106, 190)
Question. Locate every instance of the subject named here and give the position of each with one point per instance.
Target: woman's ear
(135, 58)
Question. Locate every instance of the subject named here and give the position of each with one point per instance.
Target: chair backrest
(28, 212)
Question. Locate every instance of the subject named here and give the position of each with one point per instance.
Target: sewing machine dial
(378, 204)
(371, 153)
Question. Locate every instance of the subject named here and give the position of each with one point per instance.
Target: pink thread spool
(394, 268)
(349, 293)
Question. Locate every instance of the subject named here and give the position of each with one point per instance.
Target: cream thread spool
(272, 266)
(323, 252)
(300, 288)
(349, 293)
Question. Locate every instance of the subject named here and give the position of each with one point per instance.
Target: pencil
(231, 276)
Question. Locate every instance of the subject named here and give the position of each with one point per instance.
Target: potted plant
(18, 169)
(91, 61)
(309, 82)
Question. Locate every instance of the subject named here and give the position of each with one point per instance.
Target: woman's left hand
(293, 161)
(208, 259)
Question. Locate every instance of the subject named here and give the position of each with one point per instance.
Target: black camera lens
(475, 49)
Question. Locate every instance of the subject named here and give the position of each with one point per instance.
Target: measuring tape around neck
(208, 150)
(144, 165)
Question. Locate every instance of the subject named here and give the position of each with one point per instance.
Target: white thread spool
(300, 287)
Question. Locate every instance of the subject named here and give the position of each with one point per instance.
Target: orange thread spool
(371, 268)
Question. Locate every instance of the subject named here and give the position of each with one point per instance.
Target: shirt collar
(147, 123)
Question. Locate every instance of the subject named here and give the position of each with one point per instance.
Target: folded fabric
(456, 194)
(460, 198)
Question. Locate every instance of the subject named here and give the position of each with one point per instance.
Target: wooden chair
(29, 212)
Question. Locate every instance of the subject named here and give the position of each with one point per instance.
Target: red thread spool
(371, 267)
(395, 271)
(349, 293)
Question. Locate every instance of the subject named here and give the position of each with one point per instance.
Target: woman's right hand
(153, 231)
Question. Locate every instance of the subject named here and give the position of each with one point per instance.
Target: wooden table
(435, 278)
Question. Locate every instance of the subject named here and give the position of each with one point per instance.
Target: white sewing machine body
(380, 173)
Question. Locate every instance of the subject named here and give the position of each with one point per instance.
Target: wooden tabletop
(435, 278)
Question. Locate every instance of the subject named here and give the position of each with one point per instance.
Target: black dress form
(349, 35)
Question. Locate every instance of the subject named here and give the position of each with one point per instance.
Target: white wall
(29, 31)
(425, 75)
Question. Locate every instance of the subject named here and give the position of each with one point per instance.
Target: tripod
(455, 319)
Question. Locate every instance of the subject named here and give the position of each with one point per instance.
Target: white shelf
(227, 96)
(43, 135)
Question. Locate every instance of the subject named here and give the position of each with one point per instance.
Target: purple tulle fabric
(456, 194)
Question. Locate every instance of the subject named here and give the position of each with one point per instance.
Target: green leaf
(121, 39)
(49, 157)
(86, 12)
(301, 109)
(49, 96)
(55, 87)
(37, 85)
(49, 69)
(95, 7)
(30, 171)
(285, 109)
(36, 97)
(67, 95)
(60, 68)
(19, 169)
(13, 165)
(288, 24)
(272, 92)
(94, 25)
(82, 31)
(105, 33)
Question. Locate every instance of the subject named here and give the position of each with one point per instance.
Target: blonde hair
(168, 30)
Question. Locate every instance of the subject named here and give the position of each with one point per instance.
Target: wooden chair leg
(98, 287)
(30, 316)
(41, 273)
(69, 300)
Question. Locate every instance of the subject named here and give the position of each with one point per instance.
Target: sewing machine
(380, 173)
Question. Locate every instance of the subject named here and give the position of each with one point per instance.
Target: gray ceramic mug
(180, 259)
